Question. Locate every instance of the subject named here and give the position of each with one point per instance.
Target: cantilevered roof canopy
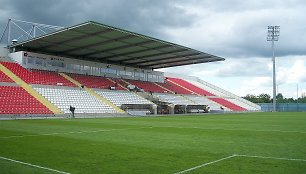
(101, 43)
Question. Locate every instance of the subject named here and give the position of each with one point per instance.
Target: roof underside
(101, 43)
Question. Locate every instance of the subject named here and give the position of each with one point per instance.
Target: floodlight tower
(273, 34)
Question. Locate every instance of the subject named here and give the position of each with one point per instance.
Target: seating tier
(147, 86)
(95, 81)
(15, 100)
(173, 98)
(83, 102)
(201, 100)
(175, 88)
(189, 86)
(122, 97)
(228, 104)
(5, 78)
(37, 76)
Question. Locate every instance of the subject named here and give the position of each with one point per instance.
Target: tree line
(266, 98)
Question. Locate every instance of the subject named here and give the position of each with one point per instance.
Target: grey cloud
(143, 16)
(245, 67)
(190, 70)
(244, 37)
(239, 28)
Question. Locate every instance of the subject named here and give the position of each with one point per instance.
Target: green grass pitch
(250, 143)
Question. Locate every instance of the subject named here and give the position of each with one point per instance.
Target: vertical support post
(274, 78)
(171, 109)
(297, 97)
(9, 33)
(154, 108)
(34, 31)
(273, 34)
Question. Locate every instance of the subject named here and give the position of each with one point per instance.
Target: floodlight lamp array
(273, 33)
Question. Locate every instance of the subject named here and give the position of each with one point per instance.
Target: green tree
(251, 98)
(302, 99)
(280, 98)
(264, 98)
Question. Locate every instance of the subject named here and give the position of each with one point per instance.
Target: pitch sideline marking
(268, 157)
(232, 129)
(33, 165)
(238, 155)
(204, 164)
(76, 132)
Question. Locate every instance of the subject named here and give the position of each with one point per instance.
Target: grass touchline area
(275, 158)
(33, 165)
(236, 155)
(234, 143)
(150, 127)
(205, 164)
(77, 132)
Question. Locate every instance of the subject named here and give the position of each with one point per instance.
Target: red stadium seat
(94, 81)
(15, 100)
(37, 76)
(184, 87)
(228, 104)
(175, 88)
(5, 78)
(147, 86)
(190, 86)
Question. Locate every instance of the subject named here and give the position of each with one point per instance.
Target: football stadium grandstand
(102, 70)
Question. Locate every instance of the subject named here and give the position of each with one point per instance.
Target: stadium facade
(103, 70)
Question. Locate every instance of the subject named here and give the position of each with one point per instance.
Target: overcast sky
(235, 30)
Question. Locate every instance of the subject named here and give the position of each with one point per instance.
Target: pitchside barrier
(284, 107)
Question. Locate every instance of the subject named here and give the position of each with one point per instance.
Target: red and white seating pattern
(147, 86)
(228, 104)
(190, 86)
(37, 76)
(15, 100)
(174, 90)
(200, 91)
(202, 100)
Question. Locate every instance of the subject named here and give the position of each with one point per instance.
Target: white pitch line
(77, 132)
(268, 157)
(255, 130)
(237, 155)
(33, 165)
(205, 164)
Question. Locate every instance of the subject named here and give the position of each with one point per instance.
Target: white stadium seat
(83, 102)
(119, 97)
